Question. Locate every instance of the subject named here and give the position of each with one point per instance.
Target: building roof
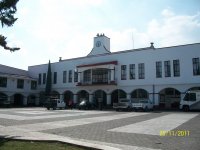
(14, 72)
(98, 64)
(130, 50)
(124, 51)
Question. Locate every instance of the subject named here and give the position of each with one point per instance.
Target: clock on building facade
(98, 44)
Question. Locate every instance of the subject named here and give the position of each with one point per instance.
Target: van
(191, 101)
(55, 103)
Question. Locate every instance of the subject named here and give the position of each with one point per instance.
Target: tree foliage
(7, 10)
(49, 80)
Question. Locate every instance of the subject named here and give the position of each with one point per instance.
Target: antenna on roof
(133, 40)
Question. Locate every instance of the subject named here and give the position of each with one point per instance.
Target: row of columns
(152, 97)
(24, 100)
(75, 98)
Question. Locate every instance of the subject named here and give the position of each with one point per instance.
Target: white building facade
(161, 74)
(17, 88)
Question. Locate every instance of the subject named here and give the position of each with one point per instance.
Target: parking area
(104, 129)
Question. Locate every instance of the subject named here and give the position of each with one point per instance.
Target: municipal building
(162, 75)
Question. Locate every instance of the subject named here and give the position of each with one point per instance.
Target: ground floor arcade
(18, 99)
(163, 97)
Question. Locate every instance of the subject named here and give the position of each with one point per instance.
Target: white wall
(149, 57)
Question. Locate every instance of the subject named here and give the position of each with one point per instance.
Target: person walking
(70, 104)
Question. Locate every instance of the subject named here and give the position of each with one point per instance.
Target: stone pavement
(104, 129)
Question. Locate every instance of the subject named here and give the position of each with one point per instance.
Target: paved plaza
(104, 129)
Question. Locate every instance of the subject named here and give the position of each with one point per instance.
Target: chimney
(60, 58)
(152, 46)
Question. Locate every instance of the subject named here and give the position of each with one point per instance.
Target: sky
(49, 29)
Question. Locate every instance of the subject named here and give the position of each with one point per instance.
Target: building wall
(11, 89)
(148, 56)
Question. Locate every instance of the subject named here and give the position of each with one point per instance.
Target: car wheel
(146, 109)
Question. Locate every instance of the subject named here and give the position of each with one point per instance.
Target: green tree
(7, 10)
(49, 80)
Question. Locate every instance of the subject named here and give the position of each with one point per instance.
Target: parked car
(123, 104)
(143, 104)
(55, 103)
(191, 101)
(86, 105)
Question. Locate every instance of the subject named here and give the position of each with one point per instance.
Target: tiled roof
(14, 72)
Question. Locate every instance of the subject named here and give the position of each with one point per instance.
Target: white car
(123, 104)
(143, 104)
(55, 103)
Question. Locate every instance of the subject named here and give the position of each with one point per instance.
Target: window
(55, 78)
(33, 85)
(100, 76)
(20, 84)
(70, 76)
(158, 69)
(87, 76)
(190, 97)
(75, 76)
(3, 82)
(132, 71)
(196, 66)
(176, 66)
(44, 78)
(167, 69)
(141, 71)
(64, 76)
(123, 72)
(40, 79)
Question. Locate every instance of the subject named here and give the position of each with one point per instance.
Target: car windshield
(124, 100)
(135, 101)
(143, 101)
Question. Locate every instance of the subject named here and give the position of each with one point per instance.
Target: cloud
(67, 39)
(67, 31)
(171, 30)
(174, 29)
(167, 13)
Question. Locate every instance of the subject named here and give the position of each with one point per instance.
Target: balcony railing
(83, 83)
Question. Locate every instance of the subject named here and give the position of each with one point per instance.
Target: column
(112, 74)
(37, 101)
(91, 77)
(79, 77)
(25, 99)
(108, 99)
(61, 97)
(128, 96)
(90, 97)
(156, 100)
(9, 99)
(75, 98)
